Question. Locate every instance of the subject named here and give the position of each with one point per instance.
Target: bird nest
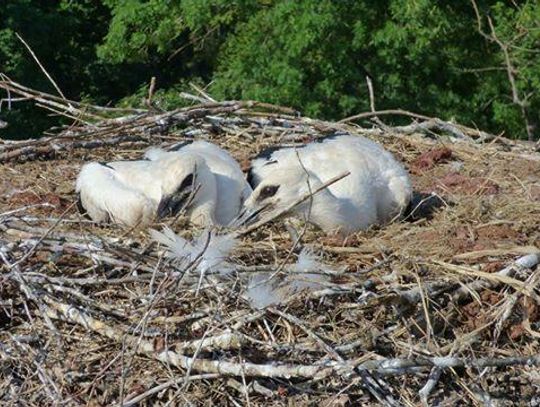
(443, 309)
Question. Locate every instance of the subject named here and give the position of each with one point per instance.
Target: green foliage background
(313, 55)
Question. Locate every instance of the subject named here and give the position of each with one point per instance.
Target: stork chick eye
(268, 191)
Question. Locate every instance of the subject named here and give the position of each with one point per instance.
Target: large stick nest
(444, 309)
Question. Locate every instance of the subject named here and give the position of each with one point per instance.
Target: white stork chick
(377, 189)
(232, 187)
(136, 192)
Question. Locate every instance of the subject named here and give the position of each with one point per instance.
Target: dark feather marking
(108, 166)
(330, 137)
(251, 177)
(270, 162)
(180, 145)
(170, 205)
(187, 182)
(267, 152)
(251, 174)
(422, 205)
(81, 208)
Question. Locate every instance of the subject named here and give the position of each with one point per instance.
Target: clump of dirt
(475, 314)
(466, 238)
(490, 233)
(493, 266)
(50, 202)
(460, 184)
(429, 159)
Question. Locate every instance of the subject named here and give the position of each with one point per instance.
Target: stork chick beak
(248, 216)
(172, 204)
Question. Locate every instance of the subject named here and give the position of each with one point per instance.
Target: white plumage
(232, 187)
(136, 192)
(377, 190)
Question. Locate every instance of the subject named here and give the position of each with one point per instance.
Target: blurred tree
(421, 55)
(475, 63)
(513, 32)
(63, 35)
(301, 54)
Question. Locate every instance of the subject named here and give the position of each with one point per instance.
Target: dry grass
(93, 315)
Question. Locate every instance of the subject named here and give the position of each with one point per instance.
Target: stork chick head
(186, 180)
(278, 191)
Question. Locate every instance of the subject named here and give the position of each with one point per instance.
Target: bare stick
(404, 366)
(429, 123)
(291, 318)
(432, 381)
(527, 262)
(33, 249)
(135, 400)
(41, 66)
(315, 371)
(373, 113)
(64, 311)
(371, 93)
(205, 95)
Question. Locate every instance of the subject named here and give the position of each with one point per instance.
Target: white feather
(211, 251)
(154, 153)
(264, 289)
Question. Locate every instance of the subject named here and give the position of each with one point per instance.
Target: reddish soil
(27, 198)
(463, 239)
(475, 314)
(463, 185)
(429, 159)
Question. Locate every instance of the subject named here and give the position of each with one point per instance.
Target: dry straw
(443, 308)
